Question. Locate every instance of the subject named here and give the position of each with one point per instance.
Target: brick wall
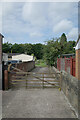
(25, 66)
(78, 64)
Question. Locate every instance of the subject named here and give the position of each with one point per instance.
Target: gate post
(71, 65)
(6, 79)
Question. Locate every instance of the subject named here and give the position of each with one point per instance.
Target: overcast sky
(38, 22)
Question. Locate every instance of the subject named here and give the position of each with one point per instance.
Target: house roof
(1, 35)
(23, 57)
(78, 39)
(78, 43)
(12, 54)
(68, 55)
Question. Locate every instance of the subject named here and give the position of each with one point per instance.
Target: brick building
(78, 59)
(1, 37)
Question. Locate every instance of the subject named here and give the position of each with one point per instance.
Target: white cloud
(73, 34)
(36, 34)
(8, 39)
(7, 8)
(34, 14)
(63, 26)
(39, 0)
(59, 11)
(33, 19)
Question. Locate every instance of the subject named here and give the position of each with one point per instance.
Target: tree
(63, 38)
(69, 48)
(38, 50)
(28, 48)
(63, 42)
(6, 47)
(52, 50)
(17, 48)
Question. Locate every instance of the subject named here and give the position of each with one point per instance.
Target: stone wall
(69, 85)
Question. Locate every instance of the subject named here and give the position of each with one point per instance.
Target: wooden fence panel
(69, 65)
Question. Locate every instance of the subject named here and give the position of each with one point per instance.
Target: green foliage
(40, 63)
(28, 48)
(38, 50)
(18, 48)
(49, 52)
(56, 47)
(63, 38)
(6, 47)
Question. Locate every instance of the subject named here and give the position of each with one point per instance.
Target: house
(12, 54)
(1, 38)
(23, 57)
(77, 48)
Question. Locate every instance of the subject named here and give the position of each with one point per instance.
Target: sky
(36, 22)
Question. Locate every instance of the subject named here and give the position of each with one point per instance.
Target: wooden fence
(68, 65)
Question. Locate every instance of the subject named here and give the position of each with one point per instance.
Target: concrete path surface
(36, 103)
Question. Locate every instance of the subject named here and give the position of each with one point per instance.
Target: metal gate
(19, 79)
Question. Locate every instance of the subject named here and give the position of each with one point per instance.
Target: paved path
(36, 103)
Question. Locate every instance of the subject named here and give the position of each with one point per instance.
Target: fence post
(58, 63)
(65, 64)
(71, 65)
(60, 80)
(6, 79)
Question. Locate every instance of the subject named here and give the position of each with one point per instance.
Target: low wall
(69, 85)
(25, 66)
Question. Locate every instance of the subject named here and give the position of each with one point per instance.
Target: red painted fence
(69, 65)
